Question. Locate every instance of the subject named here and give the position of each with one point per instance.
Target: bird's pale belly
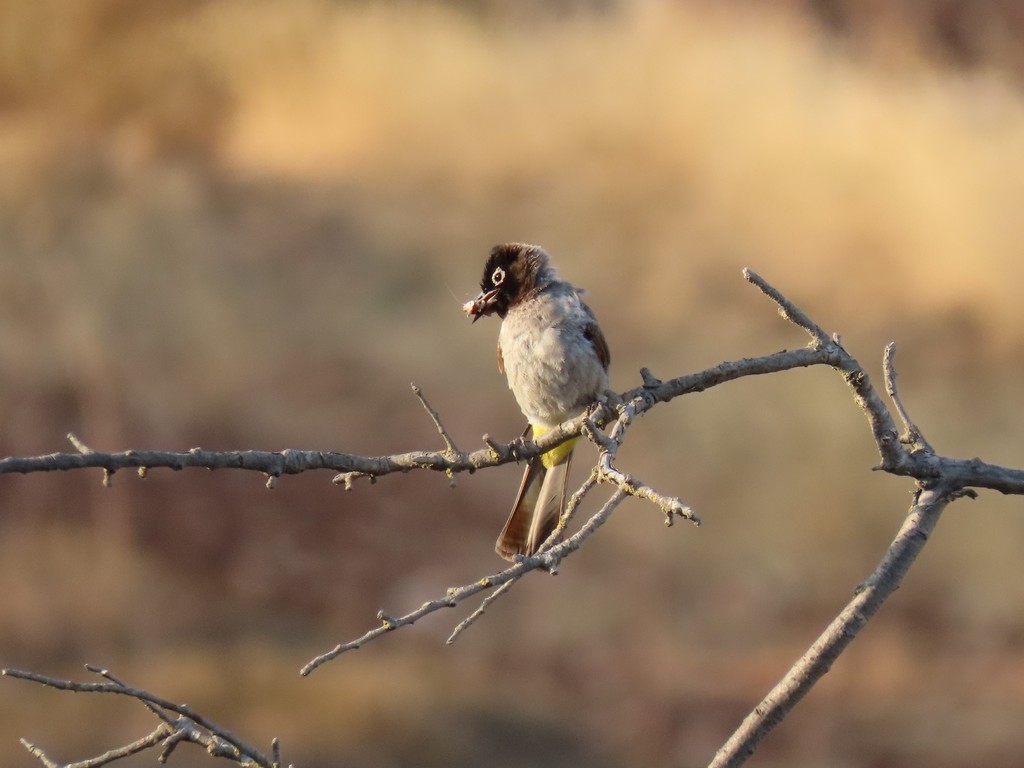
(552, 380)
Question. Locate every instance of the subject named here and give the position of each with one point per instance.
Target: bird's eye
(498, 277)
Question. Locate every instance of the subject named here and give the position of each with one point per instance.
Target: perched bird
(556, 359)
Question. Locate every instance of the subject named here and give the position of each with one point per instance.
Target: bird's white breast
(552, 367)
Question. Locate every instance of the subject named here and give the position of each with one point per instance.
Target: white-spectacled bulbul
(556, 359)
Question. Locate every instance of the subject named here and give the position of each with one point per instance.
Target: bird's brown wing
(592, 333)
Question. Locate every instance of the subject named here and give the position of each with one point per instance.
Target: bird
(555, 357)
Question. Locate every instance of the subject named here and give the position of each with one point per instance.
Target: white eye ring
(498, 277)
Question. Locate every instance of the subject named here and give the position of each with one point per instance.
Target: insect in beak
(481, 305)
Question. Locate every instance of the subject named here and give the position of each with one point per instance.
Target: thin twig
(217, 740)
(141, 745)
(106, 673)
(911, 434)
(672, 506)
(436, 418)
(547, 560)
(467, 622)
(571, 507)
(81, 447)
(788, 309)
(546, 549)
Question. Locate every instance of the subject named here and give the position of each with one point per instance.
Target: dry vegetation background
(251, 224)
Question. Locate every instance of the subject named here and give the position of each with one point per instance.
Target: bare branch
(824, 350)
(921, 463)
(607, 472)
(350, 466)
(436, 418)
(571, 506)
(187, 726)
(939, 481)
(467, 622)
(146, 742)
(788, 309)
(911, 434)
(923, 516)
(545, 559)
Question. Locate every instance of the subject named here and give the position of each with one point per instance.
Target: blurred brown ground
(251, 224)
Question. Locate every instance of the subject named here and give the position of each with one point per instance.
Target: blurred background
(249, 225)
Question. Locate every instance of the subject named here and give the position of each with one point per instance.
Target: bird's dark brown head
(512, 271)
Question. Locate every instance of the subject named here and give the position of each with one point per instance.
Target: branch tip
(787, 309)
(492, 446)
(912, 435)
(684, 512)
(81, 447)
(649, 379)
(347, 479)
(436, 418)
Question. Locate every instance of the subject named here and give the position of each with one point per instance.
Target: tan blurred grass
(707, 132)
(250, 224)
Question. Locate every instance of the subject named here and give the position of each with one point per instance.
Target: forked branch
(179, 723)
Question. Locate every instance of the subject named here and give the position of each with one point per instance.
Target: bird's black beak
(481, 305)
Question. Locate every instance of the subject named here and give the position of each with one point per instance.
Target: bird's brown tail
(538, 506)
